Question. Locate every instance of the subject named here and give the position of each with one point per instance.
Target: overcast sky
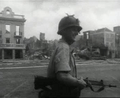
(44, 15)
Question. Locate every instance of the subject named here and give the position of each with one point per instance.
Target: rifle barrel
(112, 85)
(98, 83)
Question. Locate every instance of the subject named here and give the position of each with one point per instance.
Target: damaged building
(11, 35)
(102, 39)
(117, 40)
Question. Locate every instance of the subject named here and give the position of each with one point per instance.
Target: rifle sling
(100, 89)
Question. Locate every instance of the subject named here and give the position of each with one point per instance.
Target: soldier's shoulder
(63, 45)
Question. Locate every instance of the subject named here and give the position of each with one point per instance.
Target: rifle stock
(42, 82)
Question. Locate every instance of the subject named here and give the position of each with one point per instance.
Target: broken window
(7, 40)
(7, 28)
(17, 30)
(17, 41)
(87, 35)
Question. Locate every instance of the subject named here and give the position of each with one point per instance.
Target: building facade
(42, 36)
(117, 40)
(102, 38)
(11, 35)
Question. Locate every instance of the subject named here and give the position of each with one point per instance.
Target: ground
(17, 77)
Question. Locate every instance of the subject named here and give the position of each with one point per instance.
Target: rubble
(88, 54)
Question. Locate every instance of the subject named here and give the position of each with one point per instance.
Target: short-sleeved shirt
(62, 59)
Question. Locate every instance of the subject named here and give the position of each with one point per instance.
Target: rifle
(44, 83)
(97, 83)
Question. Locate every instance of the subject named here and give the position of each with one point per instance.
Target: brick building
(11, 35)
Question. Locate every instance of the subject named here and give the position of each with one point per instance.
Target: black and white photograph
(59, 48)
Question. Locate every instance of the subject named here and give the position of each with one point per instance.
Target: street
(16, 81)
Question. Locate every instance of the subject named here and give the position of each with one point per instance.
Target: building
(42, 36)
(43, 42)
(87, 38)
(117, 40)
(11, 35)
(102, 38)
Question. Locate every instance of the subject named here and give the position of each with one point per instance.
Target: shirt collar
(63, 40)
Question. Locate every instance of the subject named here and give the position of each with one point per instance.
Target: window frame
(6, 28)
(7, 40)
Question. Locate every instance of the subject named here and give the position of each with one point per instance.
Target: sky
(44, 15)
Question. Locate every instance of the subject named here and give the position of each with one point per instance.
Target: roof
(103, 29)
(8, 15)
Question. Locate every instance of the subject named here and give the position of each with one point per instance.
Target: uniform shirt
(62, 60)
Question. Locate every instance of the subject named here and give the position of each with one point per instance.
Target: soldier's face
(71, 34)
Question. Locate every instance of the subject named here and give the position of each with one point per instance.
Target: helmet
(68, 21)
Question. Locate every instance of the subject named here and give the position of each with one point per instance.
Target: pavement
(106, 69)
(17, 63)
(24, 63)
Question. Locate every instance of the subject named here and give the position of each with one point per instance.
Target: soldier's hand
(82, 83)
(88, 83)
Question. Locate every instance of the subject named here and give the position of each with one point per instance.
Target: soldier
(62, 63)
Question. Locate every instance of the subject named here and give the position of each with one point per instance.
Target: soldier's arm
(67, 79)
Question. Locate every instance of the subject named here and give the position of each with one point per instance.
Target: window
(17, 41)
(87, 35)
(17, 30)
(7, 40)
(7, 28)
(7, 12)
